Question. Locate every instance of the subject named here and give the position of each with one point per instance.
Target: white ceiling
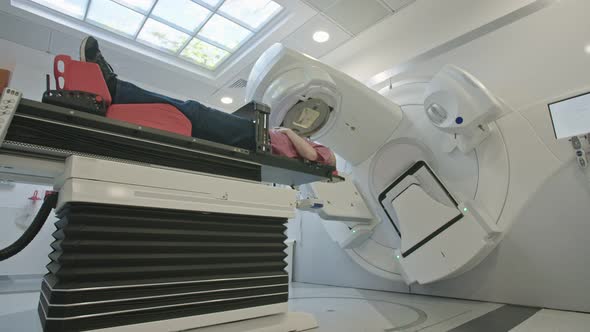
(538, 58)
(355, 16)
(418, 28)
(397, 4)
(300, 39)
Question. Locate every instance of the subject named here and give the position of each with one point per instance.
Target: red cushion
(159, 116)
(4, 79)
(80, 76)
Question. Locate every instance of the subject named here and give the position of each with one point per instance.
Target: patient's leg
(208, 123)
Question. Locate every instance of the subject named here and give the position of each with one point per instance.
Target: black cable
(49, 204)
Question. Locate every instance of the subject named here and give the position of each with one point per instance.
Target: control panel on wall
(571, 120)
(8, 105)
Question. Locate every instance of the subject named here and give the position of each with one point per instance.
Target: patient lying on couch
(207, 123)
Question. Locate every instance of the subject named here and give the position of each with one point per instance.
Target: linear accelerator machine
(435, 179)
(160, 232)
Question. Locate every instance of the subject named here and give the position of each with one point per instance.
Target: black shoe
(89, 52)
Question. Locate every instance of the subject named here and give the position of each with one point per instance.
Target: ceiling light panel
(302, 39)
(321, 36)
(204, 32)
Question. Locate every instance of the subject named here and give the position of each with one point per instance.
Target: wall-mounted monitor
(571, 117)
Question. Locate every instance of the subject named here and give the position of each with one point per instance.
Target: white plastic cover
(361, 119)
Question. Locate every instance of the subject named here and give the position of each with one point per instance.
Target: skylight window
(75, 8)
(162, 36)
(224, 32)
(182, 13)
(142, 6)
(212, 3)
(253, 13)
(115, 17)
(205, 32)
(204, 54)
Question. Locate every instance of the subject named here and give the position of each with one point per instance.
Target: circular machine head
(307, 117)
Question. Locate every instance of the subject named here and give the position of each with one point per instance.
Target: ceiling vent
(239, 84)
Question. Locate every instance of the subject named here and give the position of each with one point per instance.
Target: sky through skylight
(205, 32)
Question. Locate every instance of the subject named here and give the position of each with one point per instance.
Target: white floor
(354, 310)
(344, 309)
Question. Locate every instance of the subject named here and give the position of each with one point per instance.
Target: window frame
(160, 53)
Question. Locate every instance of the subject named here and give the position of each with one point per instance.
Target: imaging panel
(571, 117)
(423, 206)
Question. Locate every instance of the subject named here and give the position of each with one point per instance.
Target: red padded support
(86, 76)
(80, 76)
(159, 116)
(4, 79)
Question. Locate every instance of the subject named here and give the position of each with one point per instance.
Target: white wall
(28, 68)
(543, 261)
(14, 203)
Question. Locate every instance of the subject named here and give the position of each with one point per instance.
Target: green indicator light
(354, 231)
(464, 209)
(397, 257)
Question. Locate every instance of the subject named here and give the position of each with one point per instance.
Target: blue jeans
(208, 123)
